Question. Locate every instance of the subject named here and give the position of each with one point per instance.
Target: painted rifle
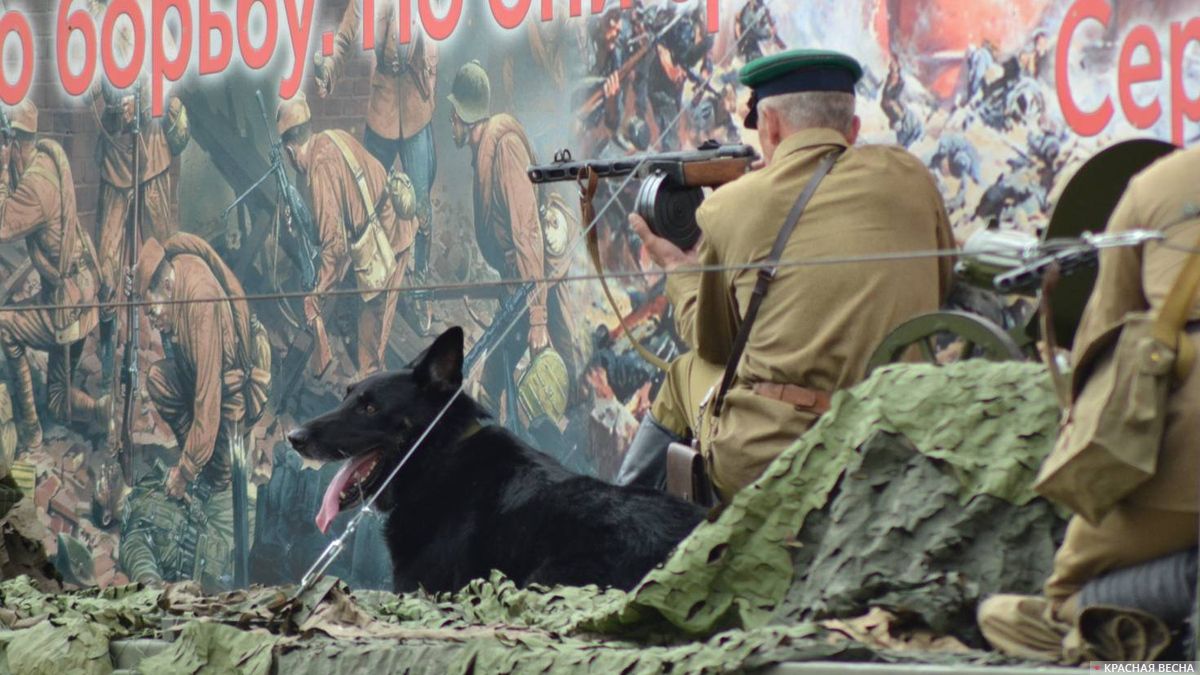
(297, 218)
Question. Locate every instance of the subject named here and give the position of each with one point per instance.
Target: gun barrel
(560, 171)
(262, 105)
(569, 171)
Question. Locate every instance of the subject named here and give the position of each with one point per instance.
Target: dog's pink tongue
(331, 503)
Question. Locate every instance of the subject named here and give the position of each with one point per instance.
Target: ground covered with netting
(871, 539)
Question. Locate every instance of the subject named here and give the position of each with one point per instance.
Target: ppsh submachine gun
(671, 191)
(1062, 262)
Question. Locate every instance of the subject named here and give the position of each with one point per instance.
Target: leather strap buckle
(800, 398)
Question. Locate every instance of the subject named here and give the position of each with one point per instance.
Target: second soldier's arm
(343, 44)
(22, 211)
(199, 344)
(520, 196)
(331, 235)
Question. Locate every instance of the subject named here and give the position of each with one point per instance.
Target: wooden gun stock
(715, 173)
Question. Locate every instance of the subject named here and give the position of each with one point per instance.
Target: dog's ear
(441, 365)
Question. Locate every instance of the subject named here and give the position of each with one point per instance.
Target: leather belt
(801, 398)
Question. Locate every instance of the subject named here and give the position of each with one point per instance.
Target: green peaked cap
(795, 71)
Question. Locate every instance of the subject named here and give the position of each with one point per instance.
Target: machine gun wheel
(978, 337)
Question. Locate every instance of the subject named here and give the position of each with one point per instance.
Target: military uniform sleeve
(327, 212)
(520, 198)
(682, 292)
(200, 344)
(1118, 289)
(705, 311)
(22, 211)
(345, 40)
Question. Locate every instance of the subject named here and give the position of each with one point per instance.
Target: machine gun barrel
(1028, 278)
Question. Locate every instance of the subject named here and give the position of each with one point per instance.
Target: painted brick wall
(347, 107)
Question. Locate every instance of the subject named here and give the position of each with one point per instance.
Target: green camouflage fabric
(967, 439)
(991, 424)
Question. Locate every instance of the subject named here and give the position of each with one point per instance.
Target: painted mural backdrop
(1001, 98)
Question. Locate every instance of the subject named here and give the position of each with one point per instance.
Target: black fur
(467, 503)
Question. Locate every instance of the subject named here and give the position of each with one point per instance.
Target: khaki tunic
(1164, 197)
(819, 324)
(403, 101)
(341, 216)
(190, 390)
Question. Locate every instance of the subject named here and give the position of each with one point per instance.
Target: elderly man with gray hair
(745, 395)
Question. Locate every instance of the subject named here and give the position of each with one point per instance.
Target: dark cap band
(798, 71)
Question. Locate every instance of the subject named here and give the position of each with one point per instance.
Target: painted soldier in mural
(400, 113)
(37, 203)
(211, 389)
(162, 138)
(509, 228)
(601, 116)
(755, 27)
(364, 243)
(680, 53)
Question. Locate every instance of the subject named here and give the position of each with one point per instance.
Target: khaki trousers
(1130, 535)
(26, 329)
(1034, 627)
(690, 382)
(375, 319)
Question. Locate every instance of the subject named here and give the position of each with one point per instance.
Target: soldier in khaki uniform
(161, 139)
(818, 324)
(351, 202)
(1160, 516)
(508, 226)
(211, 387)
(400, 113)
(37, 203)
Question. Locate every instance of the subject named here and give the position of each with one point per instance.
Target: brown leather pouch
(686, 477)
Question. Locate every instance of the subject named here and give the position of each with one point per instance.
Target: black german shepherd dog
(474, 498)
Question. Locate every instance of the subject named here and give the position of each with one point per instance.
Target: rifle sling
(766, 274)
(588, 182)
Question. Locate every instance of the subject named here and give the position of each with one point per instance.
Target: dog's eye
(370, 409)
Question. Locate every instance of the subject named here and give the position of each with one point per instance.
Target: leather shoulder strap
(766, 274)
(360, 178)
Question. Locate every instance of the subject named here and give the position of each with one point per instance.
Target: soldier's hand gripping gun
(672, 190)
(297, 219)
(672, 183)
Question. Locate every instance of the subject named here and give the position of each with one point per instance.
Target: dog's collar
(472, 429)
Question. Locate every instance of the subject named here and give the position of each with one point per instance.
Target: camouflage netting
(890, 518)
